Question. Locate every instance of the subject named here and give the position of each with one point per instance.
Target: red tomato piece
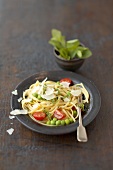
(59, 114)
(68, 80)
(73, 108)
(39, 115)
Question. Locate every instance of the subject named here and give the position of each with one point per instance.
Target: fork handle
(79, 113)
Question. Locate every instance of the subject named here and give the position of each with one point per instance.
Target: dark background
(25, 29)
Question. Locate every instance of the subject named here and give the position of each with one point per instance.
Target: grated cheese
(11, 117)
(65, 84)
(19, 100)
(10, 131)
(66, 99)
(15, 92)
(76, 92)
(48, 97)
(18, 112)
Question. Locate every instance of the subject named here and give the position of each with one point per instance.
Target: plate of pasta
(47, 102)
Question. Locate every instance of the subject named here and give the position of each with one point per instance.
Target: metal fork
(81, 131)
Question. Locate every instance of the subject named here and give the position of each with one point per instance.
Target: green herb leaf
(86, 53)
(64, 53)
(68, 49)
(56, 44)
(73, 44)
(35, 95)
(57, 38)
(56, 34)
(72, 53)
(63, 41)
(48, 115)
(68, 94)
(79, 54)
(71, 47)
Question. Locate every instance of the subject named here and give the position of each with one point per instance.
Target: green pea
(48, 122)
(35, 95)
(52, 122)
(74, 113)
(55, 119)
(63, 122)
(67, 121)
(71, 120)
(58, 122)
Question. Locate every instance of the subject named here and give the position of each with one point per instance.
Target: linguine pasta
(49, 96)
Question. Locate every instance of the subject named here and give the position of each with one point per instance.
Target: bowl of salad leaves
(69, 55)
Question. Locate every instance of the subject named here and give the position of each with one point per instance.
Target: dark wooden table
(25, 29)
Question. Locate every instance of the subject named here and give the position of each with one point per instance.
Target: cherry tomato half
(39, 115)
(59, 114)
(68, 80)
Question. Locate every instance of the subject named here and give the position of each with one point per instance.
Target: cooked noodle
(48, 96)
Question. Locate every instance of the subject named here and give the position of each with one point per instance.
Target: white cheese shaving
(42, 85)
(65, 84)
(15, 92)
(35, 106)
(44, 80)
(10, 131)
(11, 117)
(66, 99)
(48, 97)
(19, 100)
(18, 112)
(49, 91)
(76, 92)
(36, 89)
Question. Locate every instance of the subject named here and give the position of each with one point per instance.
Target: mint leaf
(56, 34)
(64, 53)
(72, 53)
(71, 47)
(56, 44)
(79, 54)
(73, 44)
(63, 41)
(57, 39)
(86, 53)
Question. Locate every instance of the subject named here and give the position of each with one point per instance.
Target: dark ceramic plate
(95, 102)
